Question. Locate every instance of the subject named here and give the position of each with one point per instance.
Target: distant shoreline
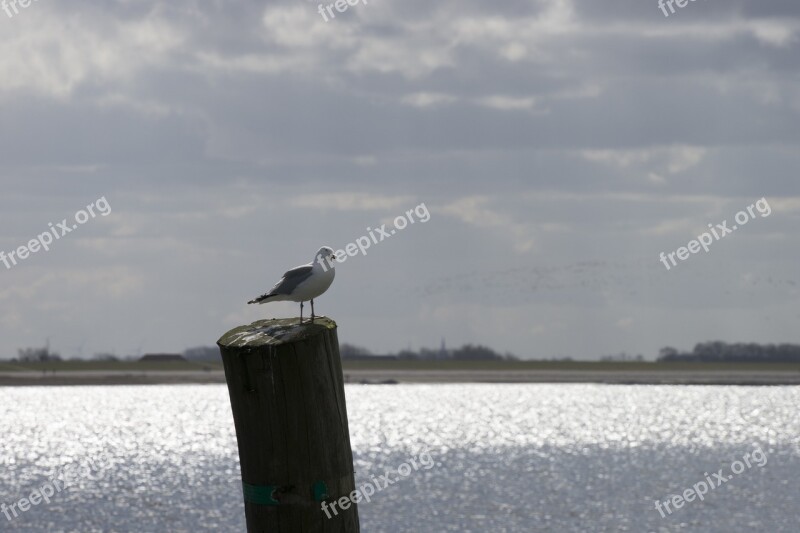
(110, 377)
(657, 377)
(382, 372)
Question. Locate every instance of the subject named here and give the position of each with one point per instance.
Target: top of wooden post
(274, 332)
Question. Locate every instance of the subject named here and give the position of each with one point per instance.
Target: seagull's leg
(312, 310)
(301, 312)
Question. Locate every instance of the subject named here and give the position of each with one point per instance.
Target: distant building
(162, 358)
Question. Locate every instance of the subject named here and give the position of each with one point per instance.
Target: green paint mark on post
(260, 494)
(320, 491)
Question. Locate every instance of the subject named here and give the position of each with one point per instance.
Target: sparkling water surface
(507, 458)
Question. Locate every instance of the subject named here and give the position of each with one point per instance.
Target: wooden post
(287, 396)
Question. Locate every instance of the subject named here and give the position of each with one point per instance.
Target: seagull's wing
(291, 280)
(287, 284)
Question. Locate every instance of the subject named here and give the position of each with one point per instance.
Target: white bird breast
(314, 286)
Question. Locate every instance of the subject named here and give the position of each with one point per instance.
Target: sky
(558, 147)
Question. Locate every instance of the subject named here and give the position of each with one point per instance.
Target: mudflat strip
(111, 377)
(654, 377)
(390, 375)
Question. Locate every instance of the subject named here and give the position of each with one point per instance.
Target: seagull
(303, 283)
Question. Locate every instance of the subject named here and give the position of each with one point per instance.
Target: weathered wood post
(287, 395)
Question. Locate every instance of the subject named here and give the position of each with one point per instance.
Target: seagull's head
(325, 254)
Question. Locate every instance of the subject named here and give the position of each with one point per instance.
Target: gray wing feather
(291, 280)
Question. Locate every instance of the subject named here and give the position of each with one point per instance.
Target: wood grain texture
(287, 395)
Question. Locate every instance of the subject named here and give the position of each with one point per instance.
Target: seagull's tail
(261, 299)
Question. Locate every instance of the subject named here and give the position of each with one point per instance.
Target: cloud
(655, 164)
(56, 53)
(474, 211)
(624, 323)
(351, 201)
(508, 103)
(428, 99)
(673, 159)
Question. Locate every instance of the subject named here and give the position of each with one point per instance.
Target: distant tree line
(45, 355)
(207, 354)
(714, 351)
(467, 352)
(718, 351)
(621, 357)
(36, 355)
